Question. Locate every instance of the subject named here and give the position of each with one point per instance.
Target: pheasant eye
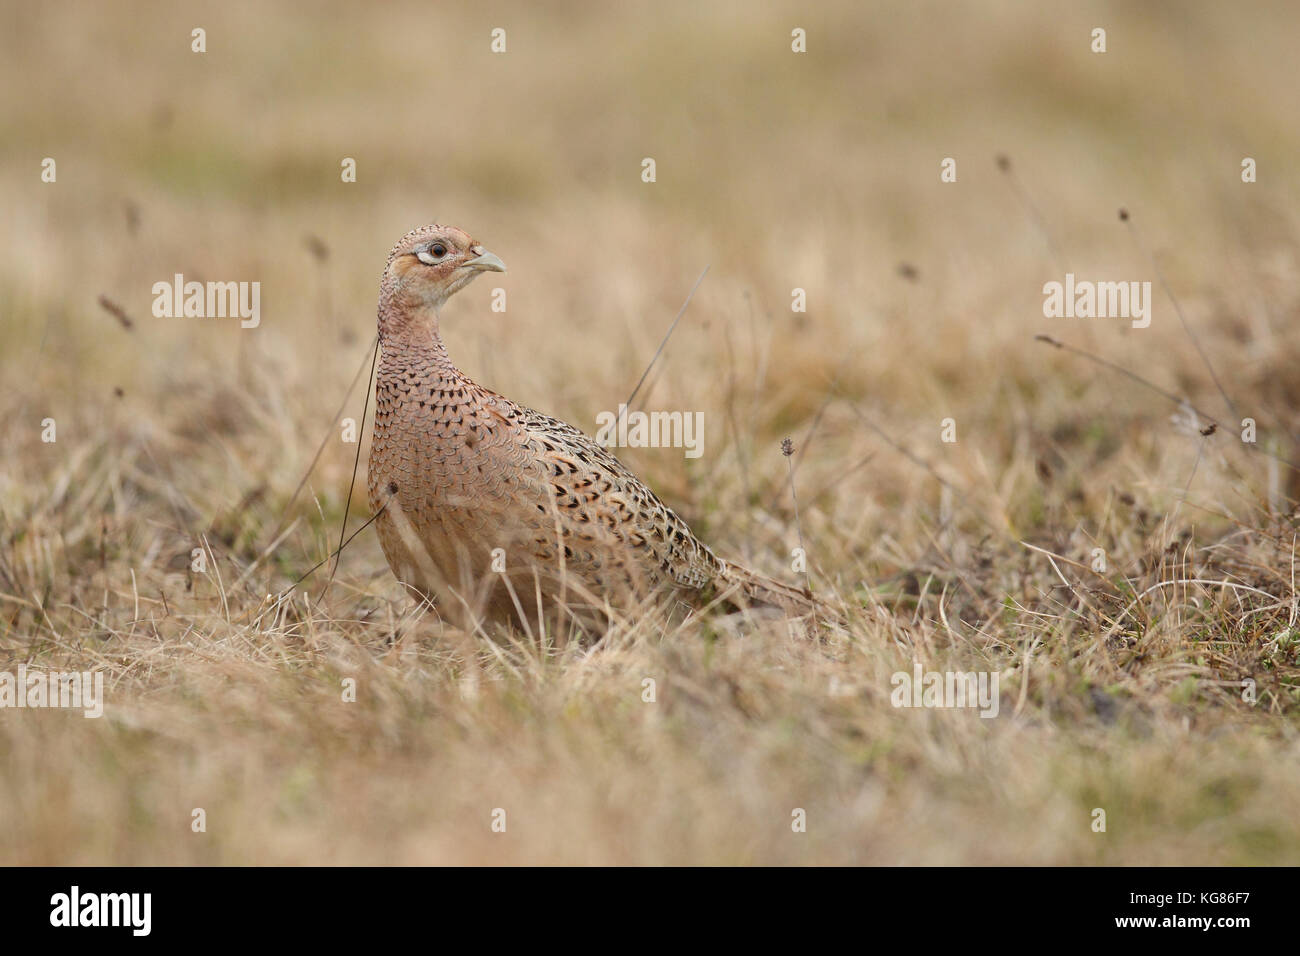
(432, 253)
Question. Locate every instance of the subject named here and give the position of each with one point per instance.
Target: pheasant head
(428, 266)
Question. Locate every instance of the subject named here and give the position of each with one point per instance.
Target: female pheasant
(499, 510)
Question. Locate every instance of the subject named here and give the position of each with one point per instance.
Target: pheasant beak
(486, 262)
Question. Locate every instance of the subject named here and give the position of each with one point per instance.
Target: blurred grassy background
(777, 170)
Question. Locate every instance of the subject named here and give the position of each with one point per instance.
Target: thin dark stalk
(1137, 239)
(325, 441)
(317, 566)
(680, 312)
(787, 449)
(356, 464)
(1106, 363)
(1004, 164)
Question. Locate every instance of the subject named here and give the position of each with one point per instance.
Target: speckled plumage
(485, 504)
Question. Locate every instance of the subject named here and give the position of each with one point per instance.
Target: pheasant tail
(752, 588)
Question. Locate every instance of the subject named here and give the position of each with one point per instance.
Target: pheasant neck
(415, 346)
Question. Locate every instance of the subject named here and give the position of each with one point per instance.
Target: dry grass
(1120, 690)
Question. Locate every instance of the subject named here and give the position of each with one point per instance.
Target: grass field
(1130, 579)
